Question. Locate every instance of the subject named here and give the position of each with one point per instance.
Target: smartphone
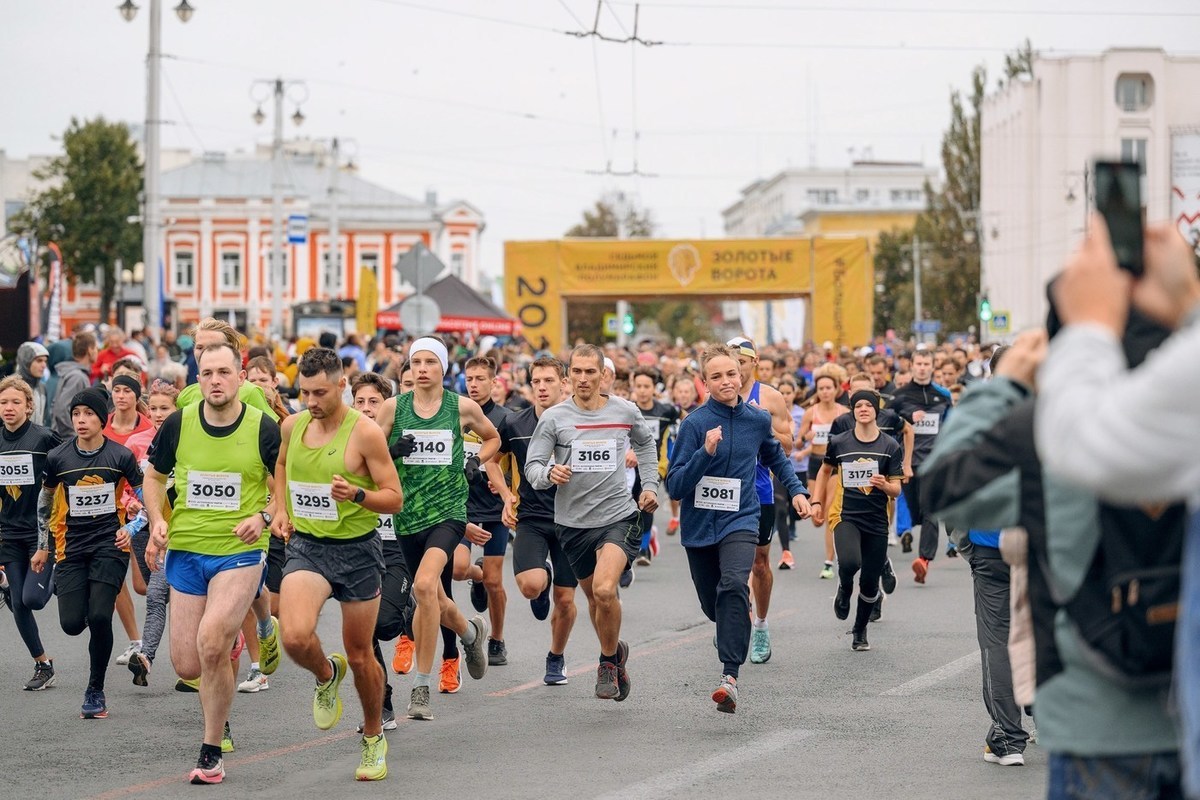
(1119, 201)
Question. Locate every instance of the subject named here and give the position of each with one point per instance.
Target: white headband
(430, 345)
(609, 365)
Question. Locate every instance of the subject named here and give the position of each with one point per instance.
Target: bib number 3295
(313, 501)
(718, 494)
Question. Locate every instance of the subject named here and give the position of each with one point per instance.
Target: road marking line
(668, 783)
(931, 679)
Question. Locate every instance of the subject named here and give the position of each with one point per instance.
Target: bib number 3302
(313, 501)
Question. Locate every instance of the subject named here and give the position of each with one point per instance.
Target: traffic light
(985, 309)
(627, 325)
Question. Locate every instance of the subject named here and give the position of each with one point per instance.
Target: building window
(1135, 92)
(231, 270)
(370, 261)
(823, 197)
(332, 279)
(456, 264)
(184, 275)
(268, 264)
(862, 195)
(1134, 150)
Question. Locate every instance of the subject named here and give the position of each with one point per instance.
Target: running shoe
(1007, 760)
(479, 598)
(760, 646)
(860, 640)
(951, 551)
(134, 646)
(476, 653)
(606, 681)
(402, 659)
(43, 676)
(920, 567)
(187, 686)
(643, 558)
(654, 541)
(255, 682)
(540, 605)
(627, 578)
(906, 540)
(5, 589)
(786, 561)
(826, 571)
(556, 670)
(451, 677)
(877, 611)
(726, 695)
(209, 769)
(497, 653)
(623, 682)
(888, 579)
(269, 653)
(841, 602)
(389, 721)
(893, 540)
(226, 739)
(418, 702)
(93, 705)
(373, 766)
(327, 704)
(139, 665)
(239, 644)
(673, 526)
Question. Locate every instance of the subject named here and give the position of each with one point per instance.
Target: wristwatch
(265, 517)
(360, 495)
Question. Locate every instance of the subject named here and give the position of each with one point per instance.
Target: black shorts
(354, 567)
(766, 524)
(102, 566)
(13, 551)
(276, 559)
(581, 544)
(814, 466)
(536, 541)
(444, 536)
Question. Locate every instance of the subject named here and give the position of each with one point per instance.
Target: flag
(53, 330)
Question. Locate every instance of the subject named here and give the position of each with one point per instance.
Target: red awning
(389, 319)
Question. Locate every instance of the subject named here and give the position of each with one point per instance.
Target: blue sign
(999, 322)
(927, 326)
(297, 228)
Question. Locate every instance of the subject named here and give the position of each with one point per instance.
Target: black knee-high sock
(863, 615)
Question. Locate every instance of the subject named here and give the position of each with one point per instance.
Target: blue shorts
(498, 544)
(190, 573)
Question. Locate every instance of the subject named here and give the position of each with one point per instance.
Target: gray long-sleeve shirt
(593, 444)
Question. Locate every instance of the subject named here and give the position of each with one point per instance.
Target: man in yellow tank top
(336, 478)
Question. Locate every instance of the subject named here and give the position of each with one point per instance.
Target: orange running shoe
(920, 569)
(673, 526)
(403, 659)
(787, 562)
(451, 678)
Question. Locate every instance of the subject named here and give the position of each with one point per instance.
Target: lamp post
(151, 222)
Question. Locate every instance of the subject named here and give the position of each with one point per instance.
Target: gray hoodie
(73, 378)
(26, 354)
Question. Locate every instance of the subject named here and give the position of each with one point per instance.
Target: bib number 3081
(718, 494)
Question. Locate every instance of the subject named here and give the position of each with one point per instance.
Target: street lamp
(151, 223)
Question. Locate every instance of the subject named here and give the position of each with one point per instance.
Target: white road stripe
(931, 679)
(694, 774)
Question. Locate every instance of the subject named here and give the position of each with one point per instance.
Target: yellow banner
(843, 305)
(367, 304)
(532, 291)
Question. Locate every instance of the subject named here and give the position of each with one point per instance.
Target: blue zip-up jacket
(746, 437)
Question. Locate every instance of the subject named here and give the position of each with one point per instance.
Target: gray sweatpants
(989, 573)
(721, 574)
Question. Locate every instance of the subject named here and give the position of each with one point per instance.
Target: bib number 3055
(16, 470)
(313, 501)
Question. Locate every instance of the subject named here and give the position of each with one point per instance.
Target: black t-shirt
(515, 433)
(89, 502)
(888, 421)
(23, 455)
(660, 417)
(166, 443)
(482, 505)
(867, 506)
(935, 402)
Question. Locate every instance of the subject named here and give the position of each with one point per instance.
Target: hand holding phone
(1119, 201)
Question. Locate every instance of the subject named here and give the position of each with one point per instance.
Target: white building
(1039, 138)
(774, 206)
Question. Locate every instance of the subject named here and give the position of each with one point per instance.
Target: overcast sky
(490, 101)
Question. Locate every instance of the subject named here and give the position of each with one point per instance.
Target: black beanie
(94, 398)
(869, 396)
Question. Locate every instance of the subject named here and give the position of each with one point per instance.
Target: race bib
(718, 494)
(821, 434)
(16, 470)
(386, 528)
(857, 474)
(313, 501)
(92, 500)
(433, 448)
(594, 455)
(471, 449)
(217, 491)
(929, 425)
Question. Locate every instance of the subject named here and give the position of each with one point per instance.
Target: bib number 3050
(313, 501)
(219, 491)
(718, 494)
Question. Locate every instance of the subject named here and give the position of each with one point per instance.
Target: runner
(660, 417)
(339, 480)
(785, 515)
(814, 429)
(210, 332)
(424, 430)
(869, 466)
(925, 406)
(539, 561)
(595, 516)
(761, 578)
(24, 447)
(221, 452)
(83, 487)
(713, 472)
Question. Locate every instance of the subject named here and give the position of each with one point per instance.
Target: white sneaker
(1010, 760)
(134, 647)
(893, 540)
(255, 682)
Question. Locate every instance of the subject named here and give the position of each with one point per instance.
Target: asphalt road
(904, 720)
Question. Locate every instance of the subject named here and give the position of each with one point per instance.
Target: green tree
(602, 220)
(93, 191)
(893, 282)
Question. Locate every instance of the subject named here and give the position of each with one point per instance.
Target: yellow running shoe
(226, 740)
(183, 685)
(268, 650)
(373, 766)
(327, 704)
(402, 661)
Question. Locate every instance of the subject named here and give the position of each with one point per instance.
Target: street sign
(927, 326)
(999, 322)
(419, 315)
(612, 325)
(418, 267)
(297, 228)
